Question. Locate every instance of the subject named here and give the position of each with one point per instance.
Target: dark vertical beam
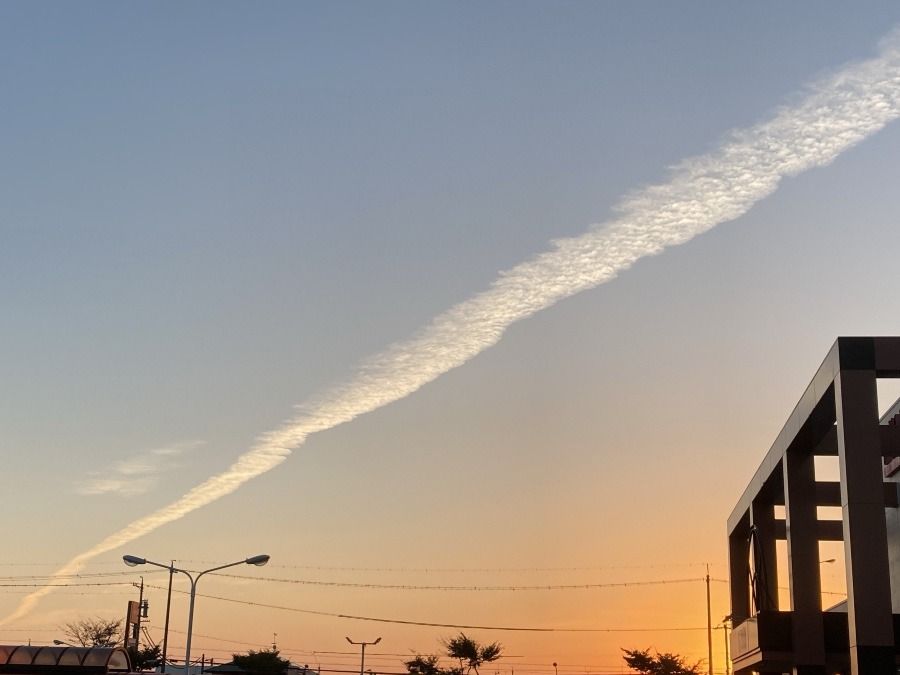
(865, 535)
(803, 562)
(762, 515)
(739, 573)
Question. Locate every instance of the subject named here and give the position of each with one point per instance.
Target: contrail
(833, 115)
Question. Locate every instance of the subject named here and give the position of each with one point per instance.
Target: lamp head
(133, 560)
(258, 560)
(377, 641)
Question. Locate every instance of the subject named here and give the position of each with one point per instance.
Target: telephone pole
(709, 621)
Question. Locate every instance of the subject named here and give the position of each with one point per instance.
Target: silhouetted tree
(429, 664)
(467, 651)
(470, 653)
(263, 662)
(642, 662)
(94, 631)
(145, 658)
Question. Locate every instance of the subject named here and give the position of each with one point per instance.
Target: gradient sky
(213, 211)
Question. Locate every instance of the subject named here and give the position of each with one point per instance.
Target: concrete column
(803, 562)
(865, 534)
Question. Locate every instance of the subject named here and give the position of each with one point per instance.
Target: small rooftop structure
(48, 660)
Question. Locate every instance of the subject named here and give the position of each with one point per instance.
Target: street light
(132, 560)
(165, 642)
(362, 662)
(60, 642)
(725, 621)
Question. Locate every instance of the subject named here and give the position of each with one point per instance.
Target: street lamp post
(131, 560)
(362, 662)
(727, 655)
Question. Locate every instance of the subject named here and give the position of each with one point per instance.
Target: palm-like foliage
(470, 653)
(467, 651)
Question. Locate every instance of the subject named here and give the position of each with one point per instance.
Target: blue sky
(214, 211)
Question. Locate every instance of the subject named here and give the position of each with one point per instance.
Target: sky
(215, 212)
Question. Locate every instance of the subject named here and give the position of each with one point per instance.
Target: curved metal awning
(47, 659)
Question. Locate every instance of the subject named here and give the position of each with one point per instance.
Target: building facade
(837, 416)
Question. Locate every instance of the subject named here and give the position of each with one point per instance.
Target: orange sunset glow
(475, 318)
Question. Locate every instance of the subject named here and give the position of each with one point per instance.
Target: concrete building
(837, 416)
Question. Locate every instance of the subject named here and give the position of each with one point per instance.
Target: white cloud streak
(832, 115)
(136, 475)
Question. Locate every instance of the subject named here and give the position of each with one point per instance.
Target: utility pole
(137, 628)
(709, 621)
(133, 619)
(166, 629)
(362, 661)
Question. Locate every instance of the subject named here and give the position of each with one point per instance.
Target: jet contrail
(836, 113)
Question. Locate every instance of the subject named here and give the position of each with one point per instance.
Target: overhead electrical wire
(57, 564)
(89, 575)
(476, 569)
(413, 587)
(79, 583)
(433, 624)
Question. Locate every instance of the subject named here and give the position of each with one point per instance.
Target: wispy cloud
(138, 474)
(832, 115)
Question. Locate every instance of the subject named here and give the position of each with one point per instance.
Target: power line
(93, 594)
(90, 575)
(344, 568)
(412, 587)
(57, 564)
(478, 569)
(442, 625)
(86, 583)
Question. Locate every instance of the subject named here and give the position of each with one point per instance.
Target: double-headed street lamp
(132, 560)
(362, 661)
